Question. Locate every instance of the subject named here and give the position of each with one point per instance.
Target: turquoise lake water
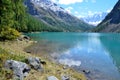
(97, 52)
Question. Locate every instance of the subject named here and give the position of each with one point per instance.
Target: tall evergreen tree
(6, 14)
(20, 14)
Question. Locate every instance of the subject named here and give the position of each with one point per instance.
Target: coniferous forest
(14, 19)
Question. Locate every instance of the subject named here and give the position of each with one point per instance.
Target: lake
(97, 52)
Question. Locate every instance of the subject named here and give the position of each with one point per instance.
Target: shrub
(8, 34)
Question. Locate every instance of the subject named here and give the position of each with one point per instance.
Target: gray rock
(35, 63)
(65, 78)
(24, 37)
(65, 67)
(86, 71)
(52, 78)
(19, 69)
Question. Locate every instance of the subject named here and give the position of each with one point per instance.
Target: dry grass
(50, 69)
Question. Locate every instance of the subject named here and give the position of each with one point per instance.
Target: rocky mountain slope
(111, 23)
(55, 16)
(94, 19)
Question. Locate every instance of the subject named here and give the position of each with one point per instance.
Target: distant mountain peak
(94, 19)
(47, 4)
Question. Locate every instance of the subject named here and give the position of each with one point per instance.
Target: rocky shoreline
(33, 66)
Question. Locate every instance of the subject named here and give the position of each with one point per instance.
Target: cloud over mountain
(67, 2)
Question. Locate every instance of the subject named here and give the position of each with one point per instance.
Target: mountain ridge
(55, 16)
(111, 23)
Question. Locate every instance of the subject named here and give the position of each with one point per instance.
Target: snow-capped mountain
(94, 19)
(47, 4)
(55, 16)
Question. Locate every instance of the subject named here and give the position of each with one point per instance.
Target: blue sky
(82, 8)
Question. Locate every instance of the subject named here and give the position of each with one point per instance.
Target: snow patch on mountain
(94, 19)
(47, 4)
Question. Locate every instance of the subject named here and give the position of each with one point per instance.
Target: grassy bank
(15, 50)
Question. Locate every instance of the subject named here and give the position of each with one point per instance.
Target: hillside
(111, 23)
(55, 16)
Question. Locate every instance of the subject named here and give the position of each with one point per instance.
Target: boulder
(35, 63)
(52, 78)
(24, 37)
(19, 69)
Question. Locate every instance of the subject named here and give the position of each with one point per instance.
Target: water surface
(97, 52)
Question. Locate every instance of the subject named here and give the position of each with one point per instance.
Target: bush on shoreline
(8, 34)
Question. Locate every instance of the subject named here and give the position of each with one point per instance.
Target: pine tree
(6, 14)
(20, 15)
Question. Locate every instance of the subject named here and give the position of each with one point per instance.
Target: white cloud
(80, 16)
(76, 12)
(93, 1)
(90, 13)
(69, 9)
(67, 2)
(54, 1)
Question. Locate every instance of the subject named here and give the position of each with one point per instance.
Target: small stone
(86, 71)
(65, 67)
(65, 78)
(12, 53)
(28, 51)
(52, 78)
(35, 41)
(43, 62)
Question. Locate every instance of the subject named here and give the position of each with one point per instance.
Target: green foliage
(34, 24)
(20, 15)
(100, 27)
(6, 13)
(13, 15)
(5, 55)
(8, 34)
